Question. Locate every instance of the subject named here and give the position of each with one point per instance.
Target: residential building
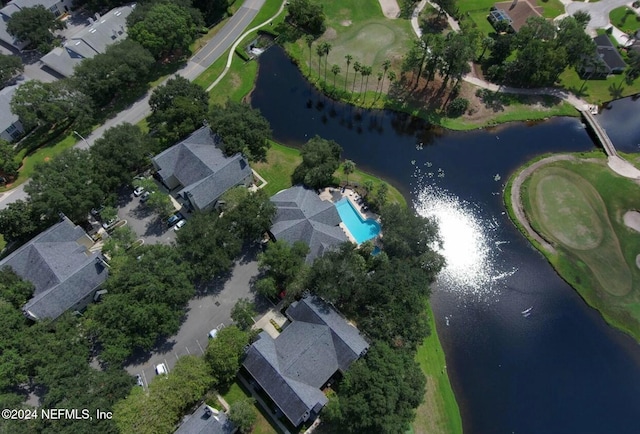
(64, 271)
(302, 216)
(315, 348)
(206, 420)
(10, 126)
(57, 7)
(611, 62)
(198, 170)
(515, 13)
(89, 41)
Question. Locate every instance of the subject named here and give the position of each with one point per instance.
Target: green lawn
(237, 393)
(606, 276)
(41, 155)
(625, 19)
(282, 161)
(599, 91)
(439, 413)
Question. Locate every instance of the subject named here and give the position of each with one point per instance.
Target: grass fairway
(439, 413)
(578, 207)
(357, 28)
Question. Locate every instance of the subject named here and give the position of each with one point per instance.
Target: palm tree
(335, 69)
(356, 68)
(349, 58)
(326, 48)
(348, 168)
(380, 75)
(368, 187)
(366, 72)
(320, 53)
(309, 40)
(385, 65)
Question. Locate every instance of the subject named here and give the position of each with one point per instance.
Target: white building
(57, 7)
(10, 125)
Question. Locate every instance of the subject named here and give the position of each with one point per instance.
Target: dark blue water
(559, 370)
(622, 122)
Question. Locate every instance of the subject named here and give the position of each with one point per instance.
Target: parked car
(107, 224)
(213, 333)
(179, 225)
(139, 381)
(138, 191)
(174, 219)
(145, 196)
(96, 211)
(161, 369)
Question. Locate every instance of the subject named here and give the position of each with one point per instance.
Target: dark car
(174, 219)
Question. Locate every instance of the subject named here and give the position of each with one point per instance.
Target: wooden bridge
(600, 132)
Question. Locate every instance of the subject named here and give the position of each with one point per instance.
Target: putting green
(567, 209)
(566, 212)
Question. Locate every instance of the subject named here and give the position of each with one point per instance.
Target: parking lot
(146, 224)
(205, 312)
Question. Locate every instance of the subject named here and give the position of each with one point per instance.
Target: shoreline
(512, 195)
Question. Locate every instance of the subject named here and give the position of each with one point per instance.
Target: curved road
(204, 58)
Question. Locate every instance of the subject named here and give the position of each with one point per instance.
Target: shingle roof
(61, 269)
(7, 118)
(201, 168)
(519, 12)
(91, 40)
(203, 422)
(292, 368)
(608, 53)
(302, 216)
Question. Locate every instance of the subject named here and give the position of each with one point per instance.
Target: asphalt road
(599, 11)
(204, 58)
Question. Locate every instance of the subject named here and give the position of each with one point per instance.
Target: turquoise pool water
(362, 230)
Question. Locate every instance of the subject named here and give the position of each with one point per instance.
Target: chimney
(513, 5)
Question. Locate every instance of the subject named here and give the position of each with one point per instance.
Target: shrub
(457, 107)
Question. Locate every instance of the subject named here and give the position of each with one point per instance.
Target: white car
(138, 191)
(161, 369)
(213, 333)
(179, 225)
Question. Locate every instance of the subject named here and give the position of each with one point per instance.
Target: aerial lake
(524, 353)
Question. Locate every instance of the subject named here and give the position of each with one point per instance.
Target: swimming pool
(362, 230)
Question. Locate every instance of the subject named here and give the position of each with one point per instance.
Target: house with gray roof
(64, 272)
(293, 368)
(89, 41)
(302, 216)
(198, 170)
(10, 125)
(57, 7)
(206, 420)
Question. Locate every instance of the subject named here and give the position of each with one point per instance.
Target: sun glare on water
(467, 243)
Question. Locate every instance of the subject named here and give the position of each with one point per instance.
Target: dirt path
(390, 8)
(516, 198)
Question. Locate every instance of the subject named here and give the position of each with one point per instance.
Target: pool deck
(336, 194)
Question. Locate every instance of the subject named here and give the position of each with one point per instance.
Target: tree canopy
(210, 244)
(177, 109)
(242, 313)
(307, 15)
(10, 66)
(34, 25)
(147, 291)
(8, 164)
(123, 67)
(320, 159)
(282, 264)
(19, 222)
(165, 27)
(118, 155)
(243, 415)
(242, 129)
(37, 103)
(251, 214)
(223, 355)
(65, 184)
(379, 393)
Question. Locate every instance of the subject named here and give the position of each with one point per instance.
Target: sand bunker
(632, 220)
(345, 23)
(390, 8)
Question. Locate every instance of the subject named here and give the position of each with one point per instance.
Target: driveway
(599, 11)
(206, 311)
